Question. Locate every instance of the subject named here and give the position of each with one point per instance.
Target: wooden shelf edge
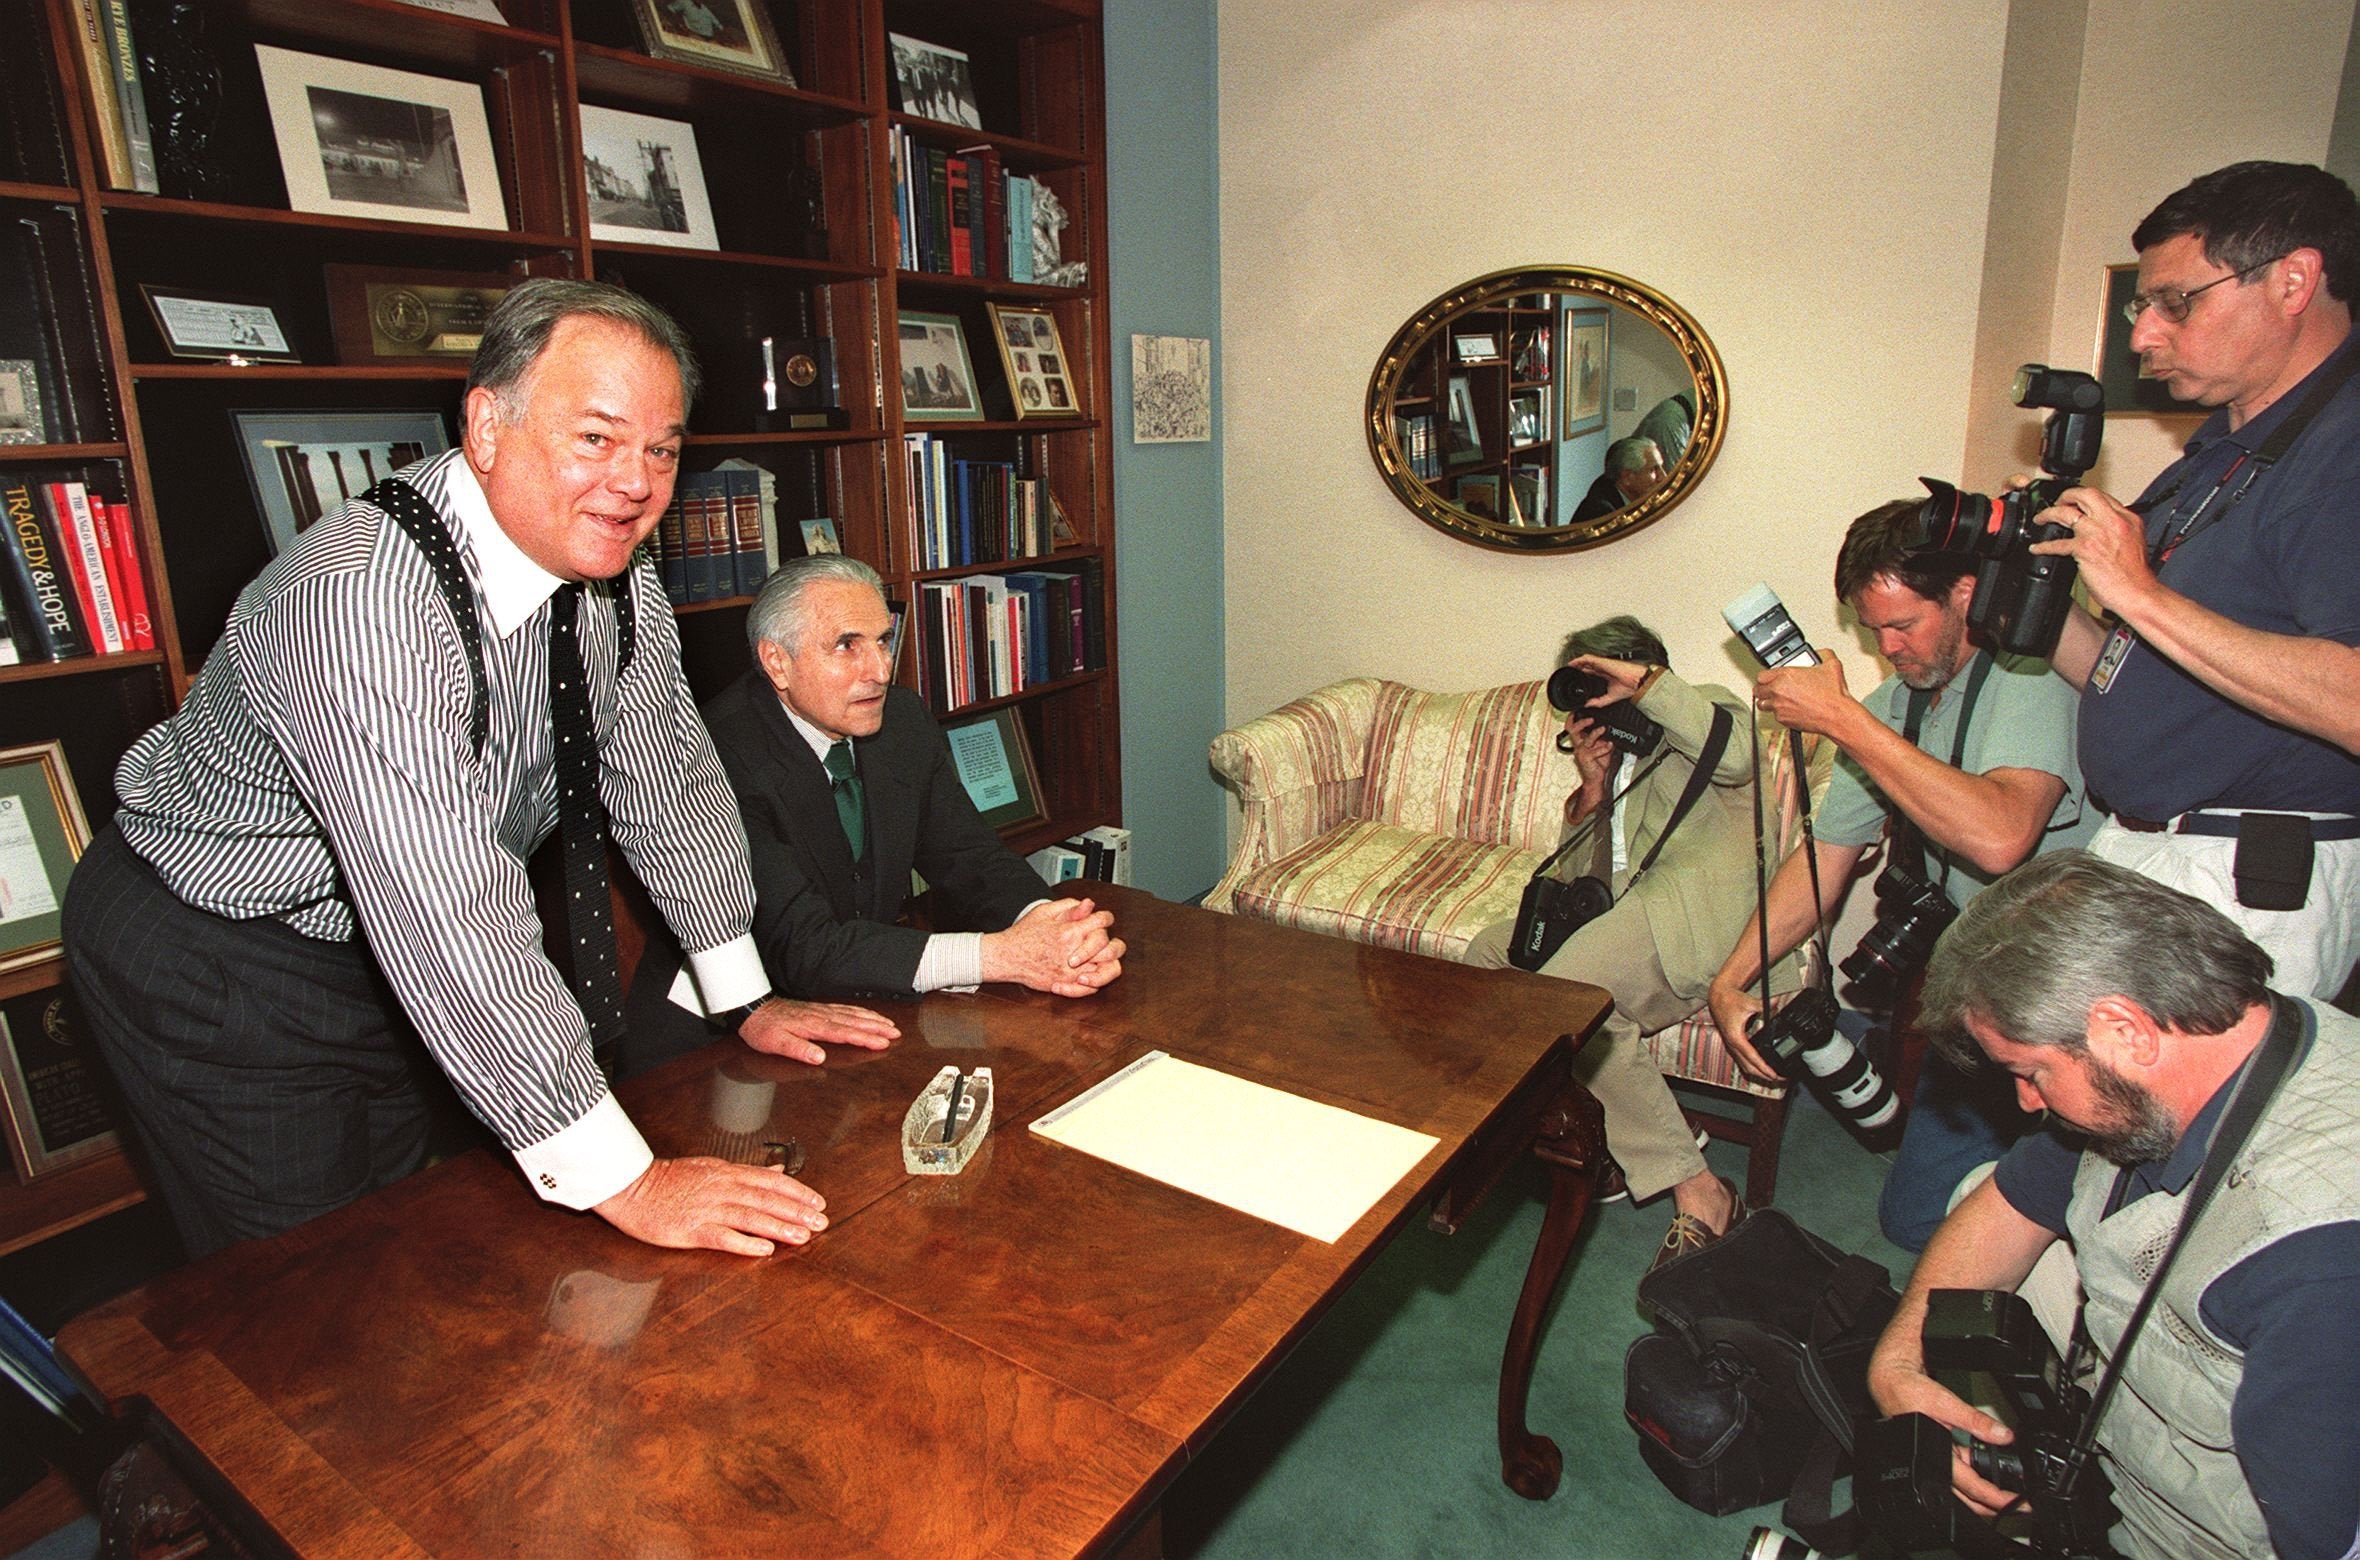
(66, 1200)
(29, 454)
(228, 373)
(120, 202)
(17, 189)
(76, 666)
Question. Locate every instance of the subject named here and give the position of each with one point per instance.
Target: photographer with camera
(1637, 735)
(2140, 1018)
(2230, 645)
(1971, 759)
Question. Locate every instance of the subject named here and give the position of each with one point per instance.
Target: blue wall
(1163, 216)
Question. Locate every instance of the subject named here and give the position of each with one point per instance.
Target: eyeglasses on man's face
(2174, 304)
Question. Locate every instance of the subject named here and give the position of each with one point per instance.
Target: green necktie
(846, 785)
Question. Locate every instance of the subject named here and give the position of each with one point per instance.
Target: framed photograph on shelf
(819, 536)
(1528, 421)
(1585, 370)
(725, 34)
(646, 184)
(1466, 433)
(1476, 347)
(53, 1110)
(2128, 390)
(1479, 495)
(42, 835)
(302, 464)
(395, 314)
(218, 327)
(1039, 380)
(893, 640)
(473, 10)
(995, 765)
(933, 82)
(20, 403)
(362, 141)
(937, 376)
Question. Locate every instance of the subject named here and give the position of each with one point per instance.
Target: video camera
(1901, 1477)
(2020, 601)
(1571, 689)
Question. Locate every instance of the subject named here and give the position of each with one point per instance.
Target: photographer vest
(2166, 1432)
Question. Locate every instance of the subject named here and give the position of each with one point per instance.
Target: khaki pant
(1645, 1131)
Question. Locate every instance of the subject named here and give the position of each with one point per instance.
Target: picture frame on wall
(933, 81)
(646, 182)
(54, 1109)
(733, 35)
(399, 314)
(937, 375)
(217, 327)
(42, 836)
(360, 140)
(302, 464)
(1584, 365)
(995, 764)
(2117, 371)
(1033, 355)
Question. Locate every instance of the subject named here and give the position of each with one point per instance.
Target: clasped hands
(1065, 947)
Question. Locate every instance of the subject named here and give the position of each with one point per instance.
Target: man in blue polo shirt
(2218, 723)
(2131, 1012)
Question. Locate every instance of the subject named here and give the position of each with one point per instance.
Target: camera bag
(1748, 1389)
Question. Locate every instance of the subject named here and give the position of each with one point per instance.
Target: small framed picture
(1476, 347)
(646, 184)
(42, 835)
(1585, 370)
(1466, 430)
(725, 34)
(1034, 357)
(302, 464)
(2127, 389)
(1527, 423)
(893, 640)
(393, 314)
(218, 327)
(1480, 496)
(473, 10)
(363, 141)
(1171, 390)
(995, 765)
(21, 421)
(932, 82)
(53, 1109)
(937, 376)
(819, 536)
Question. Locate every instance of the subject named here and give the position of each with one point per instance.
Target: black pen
(950, 1117)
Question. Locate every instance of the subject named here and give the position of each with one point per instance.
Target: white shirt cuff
(584, 1164)
(722, 978)
(953, 961)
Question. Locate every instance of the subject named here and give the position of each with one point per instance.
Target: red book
(69, 510)
(133, 597)
(961, 220)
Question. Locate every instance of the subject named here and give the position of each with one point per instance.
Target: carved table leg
(1572, 1142)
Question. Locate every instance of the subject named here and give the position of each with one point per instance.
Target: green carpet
(1376, 1437)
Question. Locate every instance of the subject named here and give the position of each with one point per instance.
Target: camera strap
(1907, 836)
(1708, 759)
(2213, 509)
(1762, 803)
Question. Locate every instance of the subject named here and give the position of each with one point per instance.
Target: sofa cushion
(1394, 887)
(1480, 766)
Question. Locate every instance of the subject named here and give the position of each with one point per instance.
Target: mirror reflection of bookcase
(799, 179)
(1473, 412)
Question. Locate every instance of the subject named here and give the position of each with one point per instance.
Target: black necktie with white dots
(581, 827)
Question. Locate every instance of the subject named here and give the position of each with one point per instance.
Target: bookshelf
(804, 256)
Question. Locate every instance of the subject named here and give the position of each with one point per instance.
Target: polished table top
(1018, 1358)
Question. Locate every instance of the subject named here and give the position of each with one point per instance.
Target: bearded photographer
(1653, 951)
(2230, 644)
(1970, 753)
(2130, 1012)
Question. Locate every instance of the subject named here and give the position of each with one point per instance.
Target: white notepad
(1309, 1167)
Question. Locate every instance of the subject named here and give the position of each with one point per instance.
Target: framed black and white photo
(646, 184)
(996, 767)
(302, 464)
(218, 327)
(725, 34)
(1476, 347)
(20, 403)
(1034, 357)
(1171, 390)
(363, 141)
(937, 376)
(933, 82)
(54, 1109)
(42, 835)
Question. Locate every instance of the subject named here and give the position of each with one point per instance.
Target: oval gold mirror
(1546, 409)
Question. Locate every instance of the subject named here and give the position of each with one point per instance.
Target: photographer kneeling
(1654, 949)
(2130, 1012)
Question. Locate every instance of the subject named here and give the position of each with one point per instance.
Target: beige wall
(1813, 181)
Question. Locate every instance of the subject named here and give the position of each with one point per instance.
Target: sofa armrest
(1298, 772)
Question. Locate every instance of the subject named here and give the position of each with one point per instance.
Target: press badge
(2118, 647)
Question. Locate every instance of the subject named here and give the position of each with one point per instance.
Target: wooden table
(1016, 1359)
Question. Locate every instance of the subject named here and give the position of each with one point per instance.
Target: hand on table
(784, 1027)
(714, 1205)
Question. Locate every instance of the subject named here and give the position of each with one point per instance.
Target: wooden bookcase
(157, 430)
(1490, 417)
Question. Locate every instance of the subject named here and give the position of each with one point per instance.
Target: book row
(1103, 855)
(75, 585)
(991, 635)
(958, 214)
(977, 511)
(721, 536)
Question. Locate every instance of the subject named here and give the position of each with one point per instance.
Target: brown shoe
(1691, 1234)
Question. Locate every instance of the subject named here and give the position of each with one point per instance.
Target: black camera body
(1912, 915)
(1571, 688)
(1901, 1476)
(1802, 1041)
(2020, 601)
(1551, 911)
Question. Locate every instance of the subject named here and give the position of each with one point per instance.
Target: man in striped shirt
(319, 861)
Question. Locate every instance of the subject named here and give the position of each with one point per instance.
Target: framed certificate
(995, 765)
(42, 835)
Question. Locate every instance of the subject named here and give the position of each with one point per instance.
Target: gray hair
(1630, 454)
(1622, 638)
(2038, 949)
(518, 332)
(776, 617)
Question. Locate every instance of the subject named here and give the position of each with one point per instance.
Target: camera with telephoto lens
(1912, 915)
(2020, 601)
(1770, 1544)
(1571, 689)
(1902, 1465)
(1802, 1041)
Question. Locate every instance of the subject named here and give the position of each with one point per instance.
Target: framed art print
(217, 327)
(1040, 382)
(362, 141)
(996, 767)
(20, 403)
(1171, 390)
(933, 82)
(53, 1109)
(1584, 363)
(724, 34)
(937, 376)
(1476, 347)
(302, 464)
(42, 835)
(646, 184)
